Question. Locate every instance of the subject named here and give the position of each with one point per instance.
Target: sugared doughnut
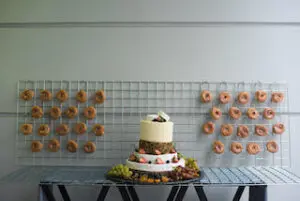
(226, 129)
(26, 129)
(216, 113)
(268, 113)
(43, 130)
(45, 95)
(98, 129)
(277, 97)
(37, 112)
(80, 128)
(53, 145)
(62, 129)
(89, 112)
(36, 146)
(272, 146)
(71, 112)
(224, 97)
(89, 147)
(81, 96)
(243, 131)
(261, 96)
(62, 95)
(235, 113)
(206, 96)
(278, 128)
(208, 127)
(243, 98)
(55, 112)
(218, 147)
(253, 148)
(261, 130)
(100, 96)
(27, 94)
(72, 146)
(252, 113)
(236, 147)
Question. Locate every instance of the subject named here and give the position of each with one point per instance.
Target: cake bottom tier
(152, 147)
(154, 167)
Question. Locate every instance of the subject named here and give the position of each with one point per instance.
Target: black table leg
(124, 193)
(133, 193)
(173, 193)
(47, 192)
(258, 193)
(200, 193)
(64, 193)
(239, 193)
(181, 193)
(103, 193)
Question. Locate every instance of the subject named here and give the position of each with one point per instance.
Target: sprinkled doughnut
(235, 113)
(226, 129)
(277, 97)
(243, 131)
(62, 95)
(206, 96)
(261, 96)
(45, 95)
(208, 127)
(272, 146)
(81, 96)
(253, 148)
(89, 147)
(62, 129)
(252, 113)
(27, 94)
(261, 130)
(80, 128)
(89, 112)
(36, 146)
(268, 113)
(216, 113)
(26, 129)
(218, 147)
(98, 129)
(224, 97)
(236, 147)
(72, 146)
(100, 96)
(53, 145)
(44, 130)
(36, 112)
(55, 112)
(278, 128)
(243, 98)
(71, 112)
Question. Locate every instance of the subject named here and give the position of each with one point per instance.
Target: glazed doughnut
(253, 148)
(208, 127)
(218, 147)
(272, 146)
(53, 145)
(100, 96)
(224, 97)
(62, 129)
(261, 130)
(81, 96)
(261, 96)
(243, 131)
(36, 112)
(27, 94)
(252, 113)
(44, 130)
(36, 146)
(268, 113)
(80, 128)
(216, 113)
(89, 147)
(235, 113)
(72, 146)
(55, 112)
(98, 129)
(278, 128)
(277, 97)
(71, 112)
(236, 147)
(243, 98)
(206, 96)
(26, 129)
(62, 95)
(89, 112)
(45, 95)
(226, 129)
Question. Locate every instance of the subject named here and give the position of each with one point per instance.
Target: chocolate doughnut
(218, 147)
(55, 112)
(206, 96)
(80, 128)
(235, 113)
(216, 113)
(252, 113)
(37, 112)
(253, 148)
(26, 129)
(243, 98)
(98, 129)
(243, 131)
(81, 96)
(100, 96)
(62, 95)
(277, 97)
(36, 146)
(261, 96)
(45, 95)
(89, 112)
(62, 129)
(27, 94)
(272, 146)
(226, 129)
(236, 147)
(53, 145)
(224, 97)
(268, 113)
(278, 128)
(72, 146)
(44, 130)
(71, 112)
(208, 127)
(261, 130)
(89, 147)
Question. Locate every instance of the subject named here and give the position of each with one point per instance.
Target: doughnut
(268, 113)
(45, 95)
(226, 129)
(27, 94)
(44, 130)
(26, 129)
(62, 129)
(53, 145)
(235, 113)
(206, 96)
(62, 95)
(89, 112)
(80, 128)
(98, 129)
(278, 128)
(72, 146)
(37, 112)
(100, 96)
(252, 113)
(243, 131)
(272, 146)
(261, 96)
(71, 112)
(36, 146)
(261, 130)
(253, 148)
(208, 127)
(216, 113)
(55, 112)
(81, 96)
(89, 147)
(218, 147)
(277, 97)
(243, 98)
(224, 97)
(236, 147)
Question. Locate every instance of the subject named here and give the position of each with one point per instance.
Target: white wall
(266, 52)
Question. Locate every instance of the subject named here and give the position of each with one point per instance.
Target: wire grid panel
(130, 101)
